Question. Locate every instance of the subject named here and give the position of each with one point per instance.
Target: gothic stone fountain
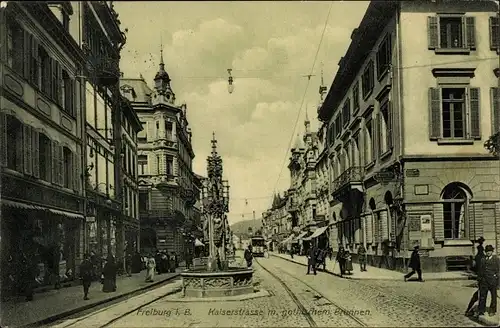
(219, 278)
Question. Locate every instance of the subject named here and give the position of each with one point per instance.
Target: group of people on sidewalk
(487, 268)
(162, 262)
(108, 274)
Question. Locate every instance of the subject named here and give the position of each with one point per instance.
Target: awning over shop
(287, 240)
(20, 205)
(198, 243)
(317, 233)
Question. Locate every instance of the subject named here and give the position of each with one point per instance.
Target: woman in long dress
(109, 273)
(151, 266)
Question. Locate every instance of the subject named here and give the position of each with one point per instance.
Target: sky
(271, 48)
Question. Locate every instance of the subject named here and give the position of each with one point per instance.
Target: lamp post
(216, 205)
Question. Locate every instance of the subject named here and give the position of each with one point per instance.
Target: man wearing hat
(488, 274)
(415, 264)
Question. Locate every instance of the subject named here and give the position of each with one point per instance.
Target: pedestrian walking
(27, 277)
(136, 262)
(362, 257)
(150, 268)
(348, 262)
(415, 265)
(341, 259)
(109, 273)
(488, 275)
(86, 275)
(248, 256)
(311, 259)
(475, 268)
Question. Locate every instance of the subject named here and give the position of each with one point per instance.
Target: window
(15, 47)
(14, 144)
(338, 126)
(168, 130)
(355, 97)
(157, 129)
(494, 33)
(68, 168)
(56, 79)
(451, 115)
(34, 63)
(45, 84)
(346, 112)
(453, 32)
(331, 134)
(170, 166)
(384, 56)
(367, 80)
(68, 91)
(355, 151)
(454, 212)
(369, 143)
(495, 105)
(159, 166)
(90, 104)
(44, 146)
(385, 127)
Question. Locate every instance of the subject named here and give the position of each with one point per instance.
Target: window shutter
(58, 82)
(61, 169)
(3, 139)
(494, 33)
(28, 153)
(475, 121)
(380, 140)
(470, 30)
(389, 125)
(55, 162)
(77, 172)
(34, 74)
(152, 163)
(434, 113)
(35, 136)
(27, 54)
(476, 221)
(151, 131)
(432, 32)
(495, 108)
(438, 222)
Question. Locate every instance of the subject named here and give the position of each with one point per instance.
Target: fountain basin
(231, 282)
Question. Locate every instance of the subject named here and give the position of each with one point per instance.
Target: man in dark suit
(487, 276)
(415, 264)
(311, 259)
(475, 268)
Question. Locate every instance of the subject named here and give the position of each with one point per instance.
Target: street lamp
(230, 86)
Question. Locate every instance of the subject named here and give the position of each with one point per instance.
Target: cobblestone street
(296, 300)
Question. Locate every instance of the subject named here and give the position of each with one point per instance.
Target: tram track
(307, 315)
(80, 321)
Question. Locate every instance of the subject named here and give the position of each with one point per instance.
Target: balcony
(165, 181)
(107, 70)
(350, 180)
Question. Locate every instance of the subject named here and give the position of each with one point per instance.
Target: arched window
(455, 212)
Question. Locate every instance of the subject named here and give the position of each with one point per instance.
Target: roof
(364, 37)
(140, 87)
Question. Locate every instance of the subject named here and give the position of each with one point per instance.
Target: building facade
(277, 221)
(41, 144)
(130, 127)
(407, 123)
(168, 188)
(97, 31)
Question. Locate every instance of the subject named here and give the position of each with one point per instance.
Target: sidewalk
(374, 273)
(56, 304)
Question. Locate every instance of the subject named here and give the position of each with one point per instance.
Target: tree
(493, 144)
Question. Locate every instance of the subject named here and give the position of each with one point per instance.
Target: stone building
(168, 188)
(97, 31)
(276, 221)
(41, 137)
(412, 103)
(130, 127)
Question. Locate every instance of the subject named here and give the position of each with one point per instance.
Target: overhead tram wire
(303, 98)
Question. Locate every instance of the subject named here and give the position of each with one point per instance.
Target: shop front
(42, 233)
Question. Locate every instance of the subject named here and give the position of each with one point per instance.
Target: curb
(88, 306)
(385, 279)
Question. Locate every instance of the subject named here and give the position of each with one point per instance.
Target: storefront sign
(426, 223)
(90, 219)
(412, 173)
(415, 224)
